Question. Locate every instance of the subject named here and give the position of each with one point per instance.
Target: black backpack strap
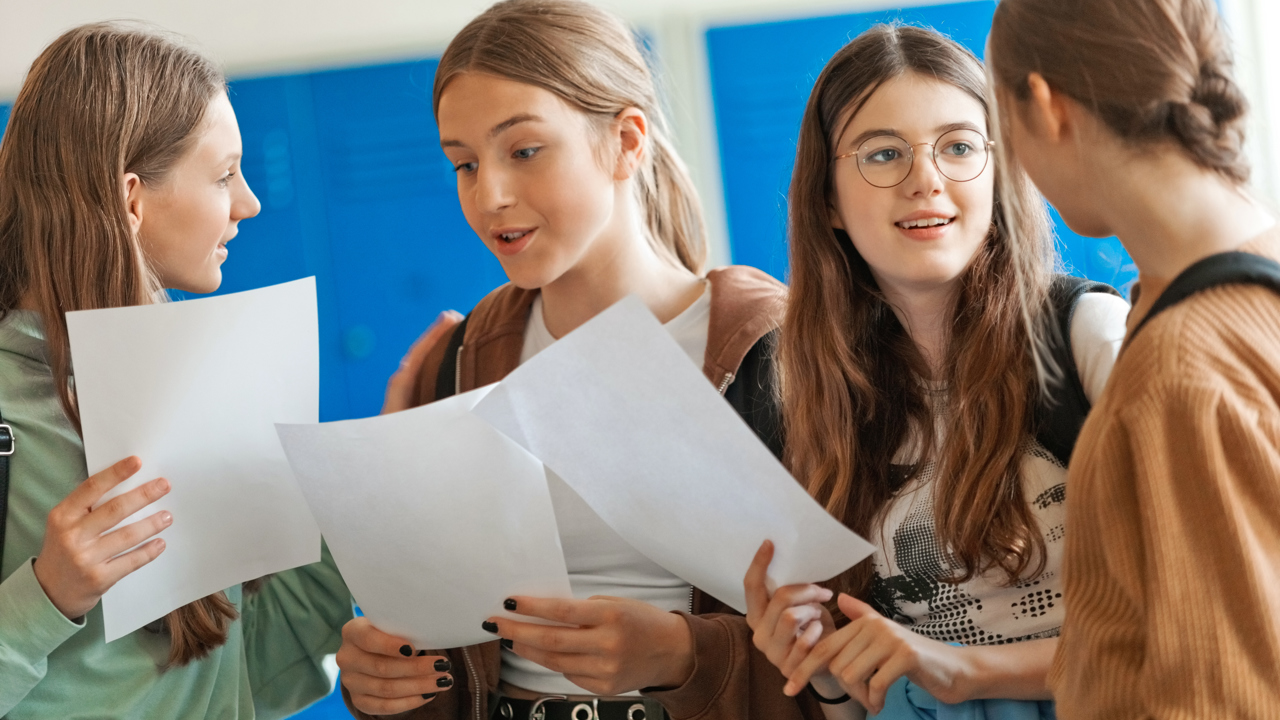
(1229, 268)
(1059, 416)
(752, 394)
(6, 451)
(447, 375)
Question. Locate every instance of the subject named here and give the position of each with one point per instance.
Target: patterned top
(909, 585)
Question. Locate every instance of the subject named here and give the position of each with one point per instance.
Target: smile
(924, 223)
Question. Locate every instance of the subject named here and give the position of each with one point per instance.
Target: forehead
(915, 106)
(474, 102)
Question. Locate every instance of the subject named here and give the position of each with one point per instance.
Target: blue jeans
(906, 701)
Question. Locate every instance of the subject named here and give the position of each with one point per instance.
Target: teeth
(927, 222)
(509, 237)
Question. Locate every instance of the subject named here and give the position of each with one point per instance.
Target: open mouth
(511, 237)
(924, 223)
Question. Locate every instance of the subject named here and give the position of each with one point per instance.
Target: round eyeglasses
(885, 161)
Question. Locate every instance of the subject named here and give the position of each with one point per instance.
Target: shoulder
(1097, 333)
(746, 305)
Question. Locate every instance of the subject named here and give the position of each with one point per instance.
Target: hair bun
(1210, 125)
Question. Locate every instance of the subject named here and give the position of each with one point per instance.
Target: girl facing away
(1173, 545)
(120, 177)
(565, 172)
(913, 408)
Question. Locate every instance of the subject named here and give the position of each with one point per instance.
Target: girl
(119, 176)
(565, 172)
(1174, 541)
(911, 394)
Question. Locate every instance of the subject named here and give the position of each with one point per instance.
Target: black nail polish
(489, 627)
(508, 644)
(509, 605)
(443, 666)
(444, 682)
(406, 651)
(421, 653)
(428, 696)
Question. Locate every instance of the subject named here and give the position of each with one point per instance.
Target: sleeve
(1097, 332)
(731, 680)
(290, 625)
(30, 629)
(1207, 482)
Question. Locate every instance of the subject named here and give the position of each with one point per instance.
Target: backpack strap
(751, 393)
(447, 375)
(1059, 416)
(6, 450)
(1229, 268)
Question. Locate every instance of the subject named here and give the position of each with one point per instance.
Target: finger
(800, 648)
(816, 660)
(118, 567)
(896, 666)
(363, 635)
(853, 608)
(561, 610)
(444, 323)
(110, 513)
(398, 688)
(566, 663)
(791, 596)
(552, 639)
(754, 583)
(383, 706)
(117, 541)
(91, 491)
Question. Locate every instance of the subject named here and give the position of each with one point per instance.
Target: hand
(401, 385)
(870, 653)
(616, 646)
(78, 563)
(788, 625)
(384, 674)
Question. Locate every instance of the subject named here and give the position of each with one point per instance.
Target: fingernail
(166, 518)
(443, 666)
(508, 644)
(406, 651)
(163, 484)
(489, 626)
(421, 653)
(444, 682)
(509, 605)
(428, 696)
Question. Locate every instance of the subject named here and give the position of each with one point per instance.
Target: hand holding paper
(193, 389)
(616, 409)
(433, 517)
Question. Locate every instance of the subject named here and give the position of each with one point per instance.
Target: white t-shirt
(910, 566)
(599, 561)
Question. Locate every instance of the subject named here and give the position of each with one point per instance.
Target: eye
(887, 155)
(466, 168)
(525, 153)
(959, 149)
(226, 179)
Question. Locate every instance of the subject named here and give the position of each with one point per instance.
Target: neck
(1170, 213)
(926, 314)
(620, 262)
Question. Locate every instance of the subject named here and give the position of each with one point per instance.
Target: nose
(924, 179)
(492, 190)
(244, 204)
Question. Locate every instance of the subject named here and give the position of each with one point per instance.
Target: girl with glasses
(911, 402)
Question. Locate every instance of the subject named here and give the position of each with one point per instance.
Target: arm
(289, 626)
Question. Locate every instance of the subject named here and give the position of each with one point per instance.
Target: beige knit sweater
(1172, 564)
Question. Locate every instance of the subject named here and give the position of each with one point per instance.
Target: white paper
(616, 409)
(193, 389)
(433, 517)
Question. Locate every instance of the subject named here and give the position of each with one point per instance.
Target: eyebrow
(941, 130)
(499, 128)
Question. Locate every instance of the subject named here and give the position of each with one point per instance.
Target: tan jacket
(731, 680)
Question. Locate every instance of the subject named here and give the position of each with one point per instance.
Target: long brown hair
(590, 59)
(853, 381)
(102, 100)
(1152, 70)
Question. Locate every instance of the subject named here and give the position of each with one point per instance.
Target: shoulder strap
(6, 450)
(1229, 268)
(1059, 416)
(447, 375)
(752, 394)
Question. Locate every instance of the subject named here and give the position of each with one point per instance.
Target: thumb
(853, 608)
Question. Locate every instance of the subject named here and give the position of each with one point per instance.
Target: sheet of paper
(619, 412)
(433, 517)
(194, 389)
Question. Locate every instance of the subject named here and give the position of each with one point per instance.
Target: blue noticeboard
(761, 75)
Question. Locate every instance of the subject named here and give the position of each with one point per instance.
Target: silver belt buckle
(6, 437)
(536, 712)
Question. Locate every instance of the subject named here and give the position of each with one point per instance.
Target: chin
(1086, 226)
(200, 285)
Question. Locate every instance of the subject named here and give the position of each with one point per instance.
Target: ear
(1047, 112)
(632, 128)
(133, 190)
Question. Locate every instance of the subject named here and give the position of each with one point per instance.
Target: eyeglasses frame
(989, 145)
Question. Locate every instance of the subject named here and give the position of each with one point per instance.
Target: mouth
(925, 223)
(512, 240)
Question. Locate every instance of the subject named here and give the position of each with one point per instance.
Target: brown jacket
(731, 680)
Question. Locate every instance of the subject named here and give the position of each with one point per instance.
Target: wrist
(679, 664)
(969, 677)
(826, 685)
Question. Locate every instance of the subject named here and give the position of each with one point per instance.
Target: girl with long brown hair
(119, 177)
(911, 398)
(1127, 117)
(549, 113)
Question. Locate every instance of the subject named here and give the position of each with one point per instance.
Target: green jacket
(50, 667)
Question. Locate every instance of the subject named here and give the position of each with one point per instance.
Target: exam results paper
(194, 388)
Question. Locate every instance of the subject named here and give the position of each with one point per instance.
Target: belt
(555, 707)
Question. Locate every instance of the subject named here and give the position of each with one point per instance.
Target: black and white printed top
(910, 566)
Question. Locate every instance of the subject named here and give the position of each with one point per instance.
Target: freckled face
(924, 232)
(529, 176)
(188, 219)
